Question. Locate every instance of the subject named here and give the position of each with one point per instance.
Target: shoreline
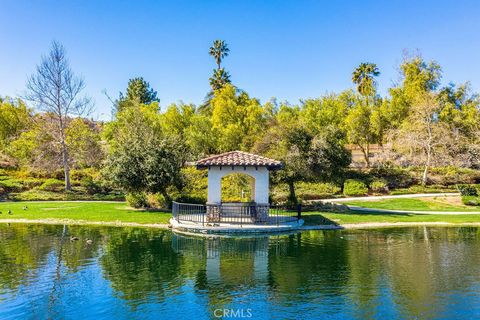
(362, 225)
(86, 223)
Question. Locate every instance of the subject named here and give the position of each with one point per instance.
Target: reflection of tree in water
(415, 267)
(23, 251)
(141, 262)
(27, 250)
(313, 262)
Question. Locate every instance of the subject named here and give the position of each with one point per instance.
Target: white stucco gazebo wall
(216, 173)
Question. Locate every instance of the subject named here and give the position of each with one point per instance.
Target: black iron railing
(183, 212)
(234, 213)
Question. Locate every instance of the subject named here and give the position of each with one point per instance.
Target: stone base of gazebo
(237, 212)
(234, 228)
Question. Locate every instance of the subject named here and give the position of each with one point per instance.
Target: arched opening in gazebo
(237, 187)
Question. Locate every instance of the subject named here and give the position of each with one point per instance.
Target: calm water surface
(129, 273)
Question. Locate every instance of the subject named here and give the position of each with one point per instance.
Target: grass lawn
(119, 211)
(422, 204)
(316, 218)
(86, 211)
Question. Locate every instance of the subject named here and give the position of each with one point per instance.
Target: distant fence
(234, 213)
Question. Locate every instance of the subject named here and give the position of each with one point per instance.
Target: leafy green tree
(364, 77)
(307, 157)
(360, 129)
(37, 148)
(176, 119)
(200, 137)
(417, 77)
(328, 110)
(138, 92)
(83, 139)
(15, 118)
(237, 119)
(142, 158)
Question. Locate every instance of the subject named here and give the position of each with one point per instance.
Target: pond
(127, 273)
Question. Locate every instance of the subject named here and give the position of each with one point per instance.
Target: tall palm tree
(219, 79)
(219, 50)
(363, 77)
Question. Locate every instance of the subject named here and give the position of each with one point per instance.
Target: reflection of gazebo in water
(254, 212)
(230, 261)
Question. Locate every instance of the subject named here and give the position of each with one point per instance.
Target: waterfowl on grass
(72, 238)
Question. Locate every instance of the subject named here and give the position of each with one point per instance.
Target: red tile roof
(238, 158)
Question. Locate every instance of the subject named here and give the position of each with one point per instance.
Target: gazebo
(216, 213)
(256, 166)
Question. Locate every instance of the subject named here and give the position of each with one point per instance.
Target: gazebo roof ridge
(238, 158)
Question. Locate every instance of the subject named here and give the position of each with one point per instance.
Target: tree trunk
(65, 159)
(425, 171)
(428, 150)
(66, 166)
(366, 154)
(292, 198)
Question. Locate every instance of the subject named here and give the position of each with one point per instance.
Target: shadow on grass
(317, 218)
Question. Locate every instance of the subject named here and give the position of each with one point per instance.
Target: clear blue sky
(284, 49)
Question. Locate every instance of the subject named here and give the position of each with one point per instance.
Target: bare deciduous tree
(56, 90)
(424, 138)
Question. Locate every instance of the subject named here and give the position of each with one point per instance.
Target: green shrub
(36, 195)
(31, 183)
(84, 173)
(11, 185)
(379, 186)
(53, 185)
(156, 200)
(311, 191)
(451, 175)
(471, 200)
(394, 177)
(304, 190)
(137, 200)
(467, 190)
(423, 189)
(191, 199)
(353, 187)
(90, 185)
